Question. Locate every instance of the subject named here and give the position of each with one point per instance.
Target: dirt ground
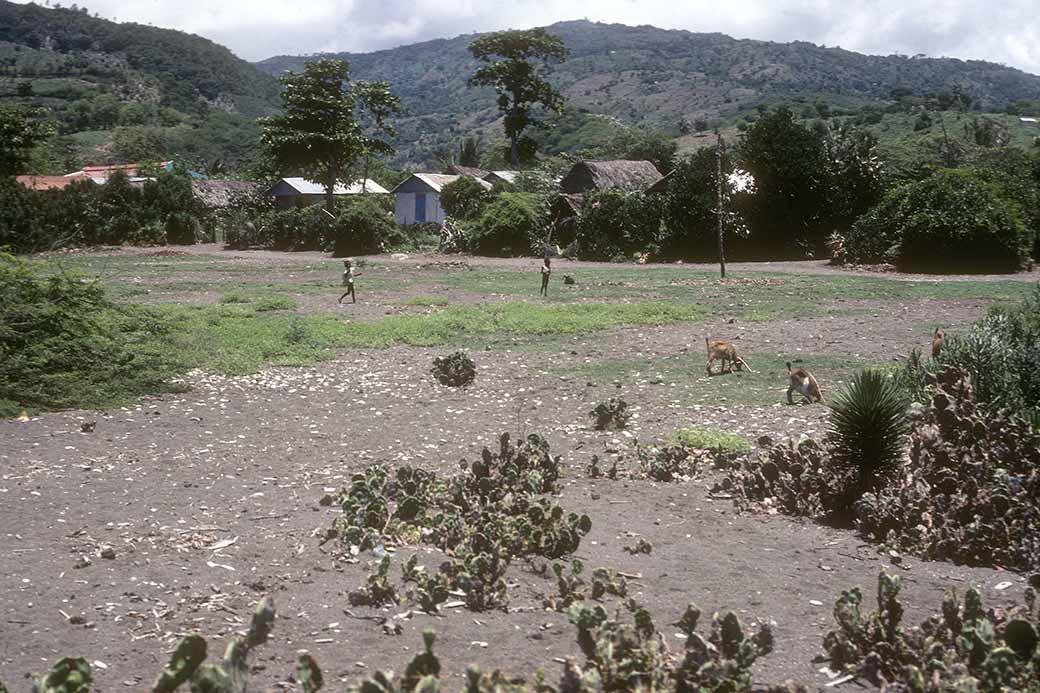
(209, 500)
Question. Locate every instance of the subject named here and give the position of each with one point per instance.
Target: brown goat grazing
(937, 341)
(803, 382)
(720, 350)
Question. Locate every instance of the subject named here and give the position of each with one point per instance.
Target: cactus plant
(454, 370)
(68, 675)
(612, 414)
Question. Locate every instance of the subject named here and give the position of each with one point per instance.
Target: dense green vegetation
(675, 81)
(154, 93)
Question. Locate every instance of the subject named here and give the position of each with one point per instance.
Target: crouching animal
(720, 350)
(803, 382)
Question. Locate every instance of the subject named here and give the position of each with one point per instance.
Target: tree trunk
(330, 193)
(514, 152)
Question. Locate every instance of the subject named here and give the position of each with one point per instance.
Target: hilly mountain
(663, 79)
(157, 89)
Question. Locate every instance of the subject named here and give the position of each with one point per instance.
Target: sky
(1003, 31)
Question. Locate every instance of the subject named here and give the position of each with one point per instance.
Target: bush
(464, 198)
(509, 226)
(969, 491)
(64, 344)
(617, 226)
(953, 221)
(364, 224)
(1001, 353)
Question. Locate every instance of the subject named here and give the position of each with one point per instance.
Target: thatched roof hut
(626, 176)
(216, 194)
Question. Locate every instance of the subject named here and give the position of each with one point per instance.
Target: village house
(300, 192)
(501, 177)
(218, 194)
(417, 198)
(597, 176)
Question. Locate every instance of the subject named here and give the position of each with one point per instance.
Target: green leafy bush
(465, 198)
(712, 439)
(64, 344)
(952, 221)
(364, 224)
(1001, 353)
(509, 226)
(617, 226)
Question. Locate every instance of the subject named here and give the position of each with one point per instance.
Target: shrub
(950, 221)
(180, 229)
(465, 198)
(364, 224)
(617, 226)
(868, 426)
(64, 344)
(509, 226)
(969, 491)
(454, 370)
(1000, 352)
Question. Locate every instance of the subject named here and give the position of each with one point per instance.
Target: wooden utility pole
(719, 149)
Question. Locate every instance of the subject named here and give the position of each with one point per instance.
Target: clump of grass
(426, 301)
(269, 303)
(461, 323)
(234, 297)
(711, 439)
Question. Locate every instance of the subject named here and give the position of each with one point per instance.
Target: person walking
(348, 281)
(546, 271)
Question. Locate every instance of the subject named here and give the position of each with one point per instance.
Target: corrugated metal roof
(507, 176)
(306, 187)
(438, 180)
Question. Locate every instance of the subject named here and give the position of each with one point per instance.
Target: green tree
(20, 130)
(464, 198)
(469, 152)
(689, 206)
(855, 175)
(320, 133)
(789, 165)
(953, 221)
(515, 78)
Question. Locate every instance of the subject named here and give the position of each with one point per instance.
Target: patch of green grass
(273, 302)
(710, 439)
(426, 301)
(766, 386)
(456, 324)
(234, 297)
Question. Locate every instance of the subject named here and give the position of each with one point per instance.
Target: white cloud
(1005, 32)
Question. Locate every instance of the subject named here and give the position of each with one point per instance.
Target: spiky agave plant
(868, 427)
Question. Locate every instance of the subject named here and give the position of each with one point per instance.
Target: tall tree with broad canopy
(320, 134)
(515, 78)
(20, 131)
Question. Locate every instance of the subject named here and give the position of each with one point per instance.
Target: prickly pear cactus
(308, 673)
(68, 675)
(186, 659)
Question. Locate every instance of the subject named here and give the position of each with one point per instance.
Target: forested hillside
(127, 91)
(671, 80)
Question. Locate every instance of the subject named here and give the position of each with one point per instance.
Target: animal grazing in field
(803, 382)
(937, 341)
(721, 350)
